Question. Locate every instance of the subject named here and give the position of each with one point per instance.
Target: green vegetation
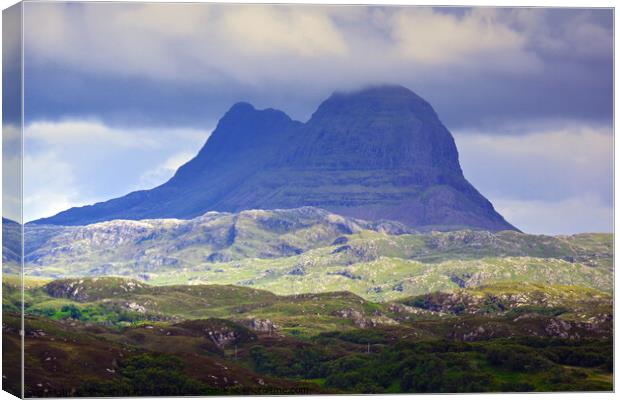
(148, 375)
(295, 306)
(441, 366)
(130, 339)
(310, 250)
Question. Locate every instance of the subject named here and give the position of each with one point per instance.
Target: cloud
(580, 214)
(196, 42)
(578, 34)
(301, 31)
(95, 134)
(72, 162)
(163, 172)
(181, 21)
(552, 170)
(430, 37)
(49, 186)
(195, 59)
(206, 42)
(11, 172)
(75, 132)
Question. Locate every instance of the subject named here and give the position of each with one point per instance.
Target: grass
(312, 336)
(387, 278)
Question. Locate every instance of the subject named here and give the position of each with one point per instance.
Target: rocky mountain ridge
(380, 153)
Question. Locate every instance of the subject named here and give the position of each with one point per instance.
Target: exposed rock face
(260, 325)
(378, 154)
(94, 289)
(220, 331)
(362, 321)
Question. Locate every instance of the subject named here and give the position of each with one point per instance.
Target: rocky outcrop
(93, 288)
(363, 321)
(260, 325)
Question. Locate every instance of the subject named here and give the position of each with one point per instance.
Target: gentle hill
(117, 299)
(521, 298)
(235, 311)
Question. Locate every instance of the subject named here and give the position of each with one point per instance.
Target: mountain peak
(241, 107)
(379, 90)
(245, 112)
(380, 127)
(243, 133)
(375, 101)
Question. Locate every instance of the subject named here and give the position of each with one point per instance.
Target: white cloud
(49, 186)
(253, 43)
(554, 178)
(562, 217)
(572, 143)
(72, 163)
(430, 37)
(11, 134)
(303, 31)
(176, 41)
(181, 21)
(76, 132)
(161, 173)
(11, 172)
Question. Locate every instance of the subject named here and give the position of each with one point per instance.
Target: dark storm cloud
(545, 62)
(578, 92)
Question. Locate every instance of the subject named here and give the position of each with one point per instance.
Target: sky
(119, 95)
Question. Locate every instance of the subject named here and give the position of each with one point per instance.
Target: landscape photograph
(250, 199)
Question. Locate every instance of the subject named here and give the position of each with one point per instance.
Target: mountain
(11, 241)
(380, 153)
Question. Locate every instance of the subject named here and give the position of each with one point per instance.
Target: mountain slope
(379, 153)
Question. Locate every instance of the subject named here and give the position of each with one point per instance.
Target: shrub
(516, 358)
(148, 375)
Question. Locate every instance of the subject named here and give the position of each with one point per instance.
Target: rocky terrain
(312, 250)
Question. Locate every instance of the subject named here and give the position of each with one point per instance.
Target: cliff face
(379, 153)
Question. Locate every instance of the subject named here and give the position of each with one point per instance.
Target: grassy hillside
(121, 302)
(386, 278)
(310, 250)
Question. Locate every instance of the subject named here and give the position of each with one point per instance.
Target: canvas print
(229, 199)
